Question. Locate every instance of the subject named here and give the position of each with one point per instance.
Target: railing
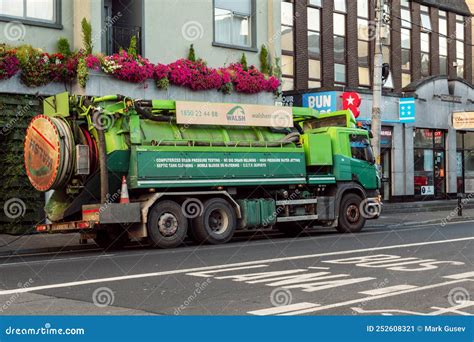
(120, 38)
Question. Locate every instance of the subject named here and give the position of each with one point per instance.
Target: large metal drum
(49, 152)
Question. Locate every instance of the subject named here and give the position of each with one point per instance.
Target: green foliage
(82, 72)
(192, 53)
(33, 73)
(264, 62)
(243, 62)
(64, 47)
(163, 83)
(16, 112)
(277, 69)
(132, 48)
(87, 36)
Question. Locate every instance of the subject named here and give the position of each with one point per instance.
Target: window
(360, 148)
(465, 161)
(314, 44)
(287, 44)
(363, 9)
(425, 54)
(233, 23)
(443, 43)
(425, 18)
(429, 162)
(460, 45)
(339, 23)
(363, 36)
(406, 42)
(34, 10)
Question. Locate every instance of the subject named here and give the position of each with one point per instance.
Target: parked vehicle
(202, 170)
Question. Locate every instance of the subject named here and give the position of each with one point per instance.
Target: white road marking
(197, 269)
(389, 289)
(207, 274)
(56, 260)
(283, 309)
(366, 299)
(464, 275)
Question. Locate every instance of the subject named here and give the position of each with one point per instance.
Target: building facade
(220, 30)
(327, 50)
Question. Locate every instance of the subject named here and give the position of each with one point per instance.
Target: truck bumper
(372, 207)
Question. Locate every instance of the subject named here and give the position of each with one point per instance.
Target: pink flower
(9, 65)
(93, 62)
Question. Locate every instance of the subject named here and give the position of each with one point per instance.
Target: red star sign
(351, 101)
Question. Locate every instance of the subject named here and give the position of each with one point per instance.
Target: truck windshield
(360, 148)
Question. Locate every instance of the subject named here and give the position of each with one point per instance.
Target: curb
(439, 220)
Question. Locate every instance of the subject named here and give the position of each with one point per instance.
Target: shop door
(439, 174)
(385, 163)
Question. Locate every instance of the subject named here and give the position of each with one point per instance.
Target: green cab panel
(318, 149)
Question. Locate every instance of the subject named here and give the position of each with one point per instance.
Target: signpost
(407, 110)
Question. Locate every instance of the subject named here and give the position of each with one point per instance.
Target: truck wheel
(108, 241)
(217, 223)
(351, 219)
(166, 225)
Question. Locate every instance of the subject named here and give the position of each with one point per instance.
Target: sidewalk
(44, 243)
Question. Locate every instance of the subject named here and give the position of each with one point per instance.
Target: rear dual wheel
(216, 224)
(167, 226)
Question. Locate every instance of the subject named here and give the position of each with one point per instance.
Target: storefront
(386, 162)
(465, 162)
(421, 159)
(429, 162)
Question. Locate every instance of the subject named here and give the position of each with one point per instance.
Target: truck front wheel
(217, 223)
(351, 219)
(167, 225)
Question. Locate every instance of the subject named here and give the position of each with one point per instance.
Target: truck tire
(108, 241)
(167, 226)
(216, 224)
(351, 219)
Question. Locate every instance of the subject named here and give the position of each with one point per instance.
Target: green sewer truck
(196, 169)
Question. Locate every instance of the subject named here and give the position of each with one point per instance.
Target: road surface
(423, 269)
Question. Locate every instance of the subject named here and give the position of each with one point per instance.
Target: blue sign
(323, 102)
(407, 110)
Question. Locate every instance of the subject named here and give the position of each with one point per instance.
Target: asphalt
(415, 268)
(393, 215)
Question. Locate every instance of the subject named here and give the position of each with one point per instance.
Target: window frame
(344, 14)
(253, 30)
(56, 23)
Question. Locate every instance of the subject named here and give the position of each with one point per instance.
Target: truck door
(362, 164)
